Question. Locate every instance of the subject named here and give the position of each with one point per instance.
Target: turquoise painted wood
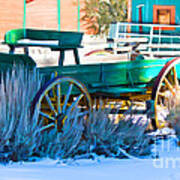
(147, 9)
(115, 78)
(55, 40)
(147, 16)
(64, 38)
(9, 60)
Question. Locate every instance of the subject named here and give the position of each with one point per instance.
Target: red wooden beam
(140, 19)
(28, 1)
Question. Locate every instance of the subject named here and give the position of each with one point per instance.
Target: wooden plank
(174, 46)
(125, 34)
(31, 42)
(161, 53)
(114, 58)
(117, 91)
(130, 40)
(123, 48)
(148, 25)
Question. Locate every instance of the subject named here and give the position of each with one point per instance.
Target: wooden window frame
(172, 17)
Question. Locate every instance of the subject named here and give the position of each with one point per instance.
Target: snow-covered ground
(105, 169)
(166, 167)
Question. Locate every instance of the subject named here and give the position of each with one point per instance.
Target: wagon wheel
(58, 98)
(166, 92)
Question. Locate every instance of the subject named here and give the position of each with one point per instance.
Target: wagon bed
(79, 85)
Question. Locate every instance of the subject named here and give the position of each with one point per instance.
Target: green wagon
(66, 87)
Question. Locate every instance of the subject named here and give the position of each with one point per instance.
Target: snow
(166, 167)
(105, 169)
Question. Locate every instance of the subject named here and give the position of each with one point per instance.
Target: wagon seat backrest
(64, 38)
(11, 38)
(55, 40)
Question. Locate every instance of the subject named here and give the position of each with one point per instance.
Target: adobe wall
(40, 14)
(11, 15)
(43, 14)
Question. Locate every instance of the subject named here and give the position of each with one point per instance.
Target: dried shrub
(173, 119)
(63, 144)
(18, 130)
(21, 133)
(122, 139)
(22, 136)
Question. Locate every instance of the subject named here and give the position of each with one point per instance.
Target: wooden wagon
(153, 81)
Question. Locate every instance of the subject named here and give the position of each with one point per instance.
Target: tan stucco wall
(43, 14)
(11, 15)
(40, 14)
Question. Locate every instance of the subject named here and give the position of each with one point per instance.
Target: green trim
(24, 19)
(78, 20)
(59, 14)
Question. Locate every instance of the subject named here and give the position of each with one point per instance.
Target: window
(164, 15)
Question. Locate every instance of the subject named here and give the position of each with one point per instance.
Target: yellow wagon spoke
(46, 115)
(163, 94)
(50, 104)
(59, 98)
(75, 103)
(169, 86)
(175, 77)
(67, 96)
(51, 125)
